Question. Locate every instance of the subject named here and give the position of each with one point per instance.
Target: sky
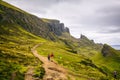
(97, 19)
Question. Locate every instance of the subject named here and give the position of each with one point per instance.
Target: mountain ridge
(32, 23)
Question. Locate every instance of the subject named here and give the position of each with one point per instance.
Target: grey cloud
(102, 20)
(110, 10)
(110, 31)
(114, 31)
(111, 20)
(34, 6)
(106, 20)
(34, 3)
(110, 15)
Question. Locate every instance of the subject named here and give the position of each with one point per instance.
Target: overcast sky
(97, 19)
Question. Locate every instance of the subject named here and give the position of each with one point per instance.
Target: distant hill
(85, 42)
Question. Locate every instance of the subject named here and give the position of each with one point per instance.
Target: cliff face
(57, 27)
(31, 23)
(108, 51)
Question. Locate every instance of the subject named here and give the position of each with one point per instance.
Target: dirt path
(29, 74)
(53, 70)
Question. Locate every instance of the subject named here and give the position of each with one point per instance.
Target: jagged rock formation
(32, 23)
(85, 42)
(57, 27)
(108, 51)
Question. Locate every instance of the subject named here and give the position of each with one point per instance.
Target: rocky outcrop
(85, 42)
(57, 27)
(108, 51)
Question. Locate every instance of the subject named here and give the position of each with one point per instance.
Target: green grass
(15, 44)
(15, 51)
(109, 64)
(39, 72)
(71, 61)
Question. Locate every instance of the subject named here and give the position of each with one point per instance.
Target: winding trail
(53, 71)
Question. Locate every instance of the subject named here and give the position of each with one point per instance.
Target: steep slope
(56, 27)
(15, 54)
(79, 66)
(16, 60)
(108, 60)
(108, 51)
(15, 43)
(30, 22)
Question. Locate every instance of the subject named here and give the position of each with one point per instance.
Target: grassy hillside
(88, 63)
(15, 53)
(15, 44)
(31, 23)
(109, 62)
(79, 65)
